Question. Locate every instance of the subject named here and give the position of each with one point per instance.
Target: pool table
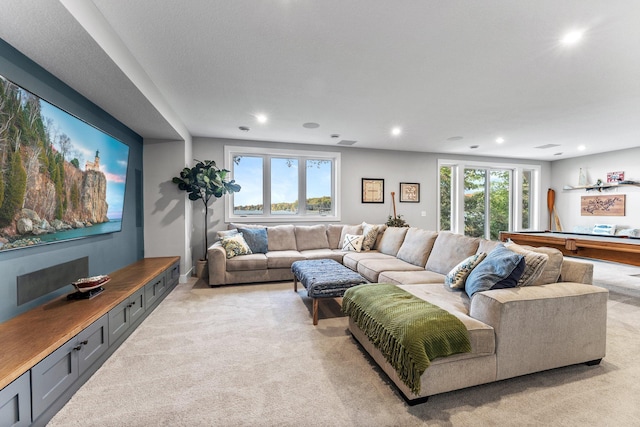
(625, 250)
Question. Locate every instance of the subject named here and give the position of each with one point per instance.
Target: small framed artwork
(372, 190)
(410, 192)
(615, 176)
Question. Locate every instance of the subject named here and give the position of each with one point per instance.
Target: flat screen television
(60, 177)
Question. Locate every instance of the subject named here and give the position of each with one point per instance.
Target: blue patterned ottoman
(324, 278)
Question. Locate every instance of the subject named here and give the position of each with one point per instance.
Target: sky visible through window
(249, 172)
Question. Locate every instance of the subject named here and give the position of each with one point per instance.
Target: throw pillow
(226, 233)
(497, 265)
(256, 238)
(352, 242)
(456, 277)
(370, 233)
(535, 263)
(512, 280)
(235, 245)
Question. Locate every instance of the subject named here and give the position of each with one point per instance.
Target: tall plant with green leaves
(202, 182)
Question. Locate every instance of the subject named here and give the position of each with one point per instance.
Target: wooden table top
(30, 337)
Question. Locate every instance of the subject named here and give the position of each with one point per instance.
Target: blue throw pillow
(256, 238)
(512, 280)
(497, 266)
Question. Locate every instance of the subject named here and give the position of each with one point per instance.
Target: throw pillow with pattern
(235, 245)
(370, 233)
(535, 263)
(458, 275)
(352, 242)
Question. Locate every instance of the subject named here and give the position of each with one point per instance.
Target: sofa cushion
(256, 238)
(370, 233)
(416, 246)
(348, 229)
(235, 245)
(370, 268)
(281, 238)
(283, 259)
(391, 240)
(351, 259)
(487, 246)
(333, 254)
(458, 275)
(449, 250)
(352, 242)
(497, 265)
(334, 231)
(536, 262)
(247, 263)
(311, 237)
(410, 277)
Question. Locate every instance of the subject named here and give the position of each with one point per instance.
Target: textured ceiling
(476, 70)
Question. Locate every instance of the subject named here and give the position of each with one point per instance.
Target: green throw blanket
(409, 331)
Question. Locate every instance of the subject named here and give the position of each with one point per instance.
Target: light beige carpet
(250, 356)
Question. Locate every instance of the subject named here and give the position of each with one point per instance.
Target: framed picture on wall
(372, 190)
(410, 192)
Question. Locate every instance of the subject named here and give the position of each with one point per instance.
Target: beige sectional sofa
(559, 322)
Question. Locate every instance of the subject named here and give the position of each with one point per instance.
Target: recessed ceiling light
(335, 135)
(558, 154)
(500, 140)
(310, 125)
(572, 37)
(454, 138)
(396, 131)
(581, 148)
(474, 146)
(261, 118)
(244, 128)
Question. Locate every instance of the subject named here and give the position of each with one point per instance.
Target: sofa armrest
(217, 262)
(544, 327)
(576, 271)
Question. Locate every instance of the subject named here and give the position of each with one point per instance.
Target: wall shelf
(607, 186)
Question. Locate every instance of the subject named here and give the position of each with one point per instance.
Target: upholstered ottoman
(324, 278)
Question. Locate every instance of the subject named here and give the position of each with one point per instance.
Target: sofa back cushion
(417, 246)
(281, 238)
(348, 229)
(334, 231)
(311, 237)
(449, 250)
(391, 240)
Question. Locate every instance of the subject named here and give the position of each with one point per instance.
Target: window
(480, 199)
(298, 185)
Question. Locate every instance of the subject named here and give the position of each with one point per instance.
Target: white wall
(167, 211)
(565, 172)
(357, 163)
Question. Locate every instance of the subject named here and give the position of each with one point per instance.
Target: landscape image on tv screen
(60, 178)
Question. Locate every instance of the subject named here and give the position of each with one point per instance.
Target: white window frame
(231, 151)
(457, 191)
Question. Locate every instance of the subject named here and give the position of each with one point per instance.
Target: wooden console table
(80, 334)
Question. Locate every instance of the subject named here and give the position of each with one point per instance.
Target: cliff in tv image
(40, 191)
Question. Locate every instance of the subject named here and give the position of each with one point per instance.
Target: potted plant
(396, 220)
(204, 181)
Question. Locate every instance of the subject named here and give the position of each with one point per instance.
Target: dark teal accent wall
(106, 253)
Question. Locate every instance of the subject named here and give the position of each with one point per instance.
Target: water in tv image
(60, 178)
